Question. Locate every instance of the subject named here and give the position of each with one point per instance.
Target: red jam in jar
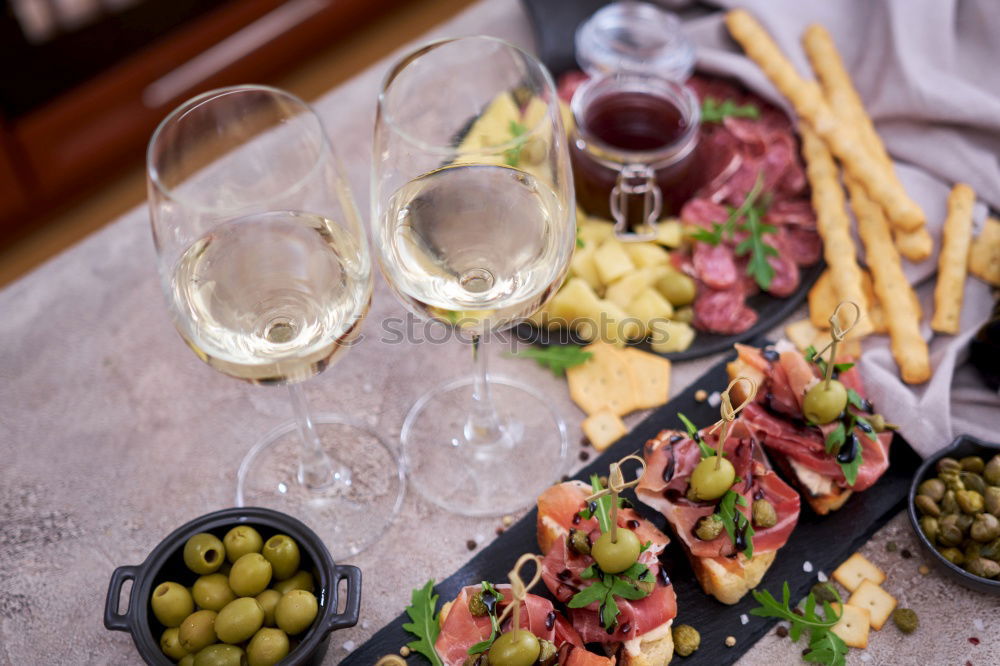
(634, 146)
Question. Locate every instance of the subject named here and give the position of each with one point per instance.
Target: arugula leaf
(825, 647)
(828, 648)
(692, 431)
(588, 595)
(579, 242)
(590, 572)
(603, 504)
(850, 469)
(557, 358)
(513, 155)
(836, 438)
(609, 612)
(483, 646)
(811, 356)
(869, 430)
(733, 519)
(424, 622)
(759, 268)
(713, 237)
(854, 399)
(712, 111)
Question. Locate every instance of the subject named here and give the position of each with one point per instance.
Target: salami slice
(723, 312)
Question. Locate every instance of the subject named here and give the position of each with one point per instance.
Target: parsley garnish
(424, 622)
(825, 647)
(747, 218)
(713, 112)
(513, 155)
(556, 358)
(733, 519)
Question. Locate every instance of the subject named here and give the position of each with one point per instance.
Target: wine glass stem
(316, 469)
(483, 425)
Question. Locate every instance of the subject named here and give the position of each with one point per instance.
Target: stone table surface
(112, 434)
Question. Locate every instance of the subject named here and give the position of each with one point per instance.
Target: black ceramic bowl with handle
(166, 563)
(964, 445)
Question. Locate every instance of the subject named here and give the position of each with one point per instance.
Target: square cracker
(855, 570)
(605, 381)
(854, 625)
(652, 377)
(877, 601)
(603, 429)
(984, 255)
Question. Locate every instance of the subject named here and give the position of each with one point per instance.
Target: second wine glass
(474, 221)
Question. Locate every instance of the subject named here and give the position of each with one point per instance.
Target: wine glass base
(477, 479)
(348, 517)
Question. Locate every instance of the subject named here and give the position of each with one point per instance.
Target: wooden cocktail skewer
(617, 484)
(519, 590)
(728, 413)
(837, 335)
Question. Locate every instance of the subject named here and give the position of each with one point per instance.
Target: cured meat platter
(817, 544)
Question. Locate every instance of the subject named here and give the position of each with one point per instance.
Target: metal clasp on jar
(636, 180)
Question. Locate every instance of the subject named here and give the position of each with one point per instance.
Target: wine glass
(267, 273)
(474, 221)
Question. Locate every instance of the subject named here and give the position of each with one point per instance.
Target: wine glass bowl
(268, 276)
(474, 223)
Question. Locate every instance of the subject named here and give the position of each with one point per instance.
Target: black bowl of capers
(268, 573)
(954, 508)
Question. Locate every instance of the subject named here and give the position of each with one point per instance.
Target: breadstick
(835, 227)
(843, 98)
(892, 288)
(953, 264)
(807, 99)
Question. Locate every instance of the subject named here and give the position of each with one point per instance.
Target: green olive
(239, 620)
(204, 553)
(268, 600)
(170, 643)
(296, 611)
(187, 660)
(933, 488)
(250, 575)
(824, 402)
(519, 647)
(241, 540)
(677, 288)
(171, 603)
(283, 554)
(220, 655)
(712, 477)
(618, 555)
(212, 592)
(302, 580)
(267, 647)
(198, 630)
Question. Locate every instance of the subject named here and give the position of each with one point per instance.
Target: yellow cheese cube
(647, 254)
(649, 306)
(582, 265)
(671, 336)
(612, 261)
(624, 290)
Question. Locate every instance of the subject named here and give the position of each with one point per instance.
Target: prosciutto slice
(671, 458)
(461, 630)
(775, 418)
(560, 506)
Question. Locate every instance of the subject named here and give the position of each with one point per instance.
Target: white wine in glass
(268, 277)
(474, 221)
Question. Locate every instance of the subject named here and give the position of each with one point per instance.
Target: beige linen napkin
(929, 74)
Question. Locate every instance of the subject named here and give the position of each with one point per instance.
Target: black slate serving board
(823, 541)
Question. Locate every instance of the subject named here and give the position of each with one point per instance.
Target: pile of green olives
(248, 603)
(960, 513)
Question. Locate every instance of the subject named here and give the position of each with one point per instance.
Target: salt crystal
(714, 399)
(807, 566)
(744, 619)
(367, 388)
(865, 657)
(348, 646)
(365, 624)
(978, 624)
(821, 577)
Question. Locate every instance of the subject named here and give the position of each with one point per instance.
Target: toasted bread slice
(729, 584)
(830, 498)
(654, 648)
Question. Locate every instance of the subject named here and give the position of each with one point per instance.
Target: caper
(933, 488)
(983, 567)
(952, 481)
(973, 482)
(906, 619)
(880, 424)
(992, 471)
(969, 501)
(519, 647)
(481, 659)
(927, 506)
(972, 550)
(948, 464)
(972, 464)
(991, 551)
(686, 639)
(929, 526)
(953, 555)
(949, 534)
(548, 655)
(579, 542)
(709, 527)
(991, 500)
(964, 522)
(824, 592)
(764, 514)
(615, 556)
(985, 528)
(948, 503)
(824, 402)
(477, 606)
